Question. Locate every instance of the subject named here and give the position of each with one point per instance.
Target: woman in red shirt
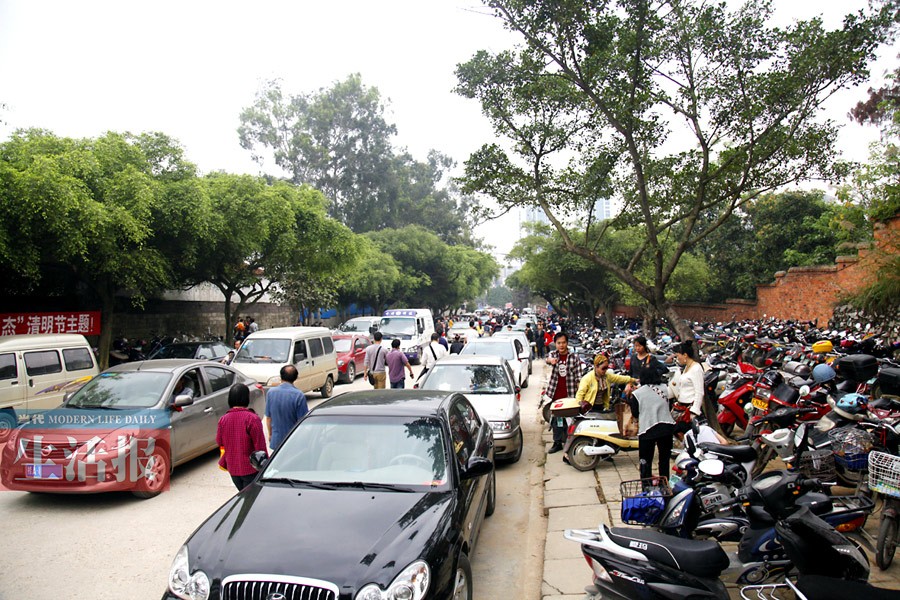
(240, 433)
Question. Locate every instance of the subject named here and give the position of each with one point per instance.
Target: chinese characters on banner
(85, 323)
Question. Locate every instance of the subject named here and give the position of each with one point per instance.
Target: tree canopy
(682, 112)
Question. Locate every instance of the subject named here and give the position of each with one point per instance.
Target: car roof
(471, 359)
(386, 402)
(165, 365)
(197, 343)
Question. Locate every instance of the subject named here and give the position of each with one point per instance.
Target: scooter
(633, 563)
(592, 437)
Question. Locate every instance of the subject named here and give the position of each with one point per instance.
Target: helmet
(823, 346)
(852, 403)
(823, 373)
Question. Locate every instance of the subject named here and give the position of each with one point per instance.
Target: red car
(351, 353)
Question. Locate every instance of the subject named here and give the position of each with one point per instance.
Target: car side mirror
(258, 459)
(476, 467)
(421, 329)
(183, 400)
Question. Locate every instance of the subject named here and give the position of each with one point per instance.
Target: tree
(377, 282)
(683, 111)
(100, 211)
(338, 141)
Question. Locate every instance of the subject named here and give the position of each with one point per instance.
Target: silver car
(125, 429)
(509, 348)
(489, 384)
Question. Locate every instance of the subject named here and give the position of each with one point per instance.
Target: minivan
(412, 326)
(37, 370)
(310, 349)
(366, 325)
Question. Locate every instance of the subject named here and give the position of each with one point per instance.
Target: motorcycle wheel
(577, 457)
(887, 542)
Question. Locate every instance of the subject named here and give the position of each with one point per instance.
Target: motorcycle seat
(702, 558)
(741, 454)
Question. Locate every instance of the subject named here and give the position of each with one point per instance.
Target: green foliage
(339, 141)
(600, 89)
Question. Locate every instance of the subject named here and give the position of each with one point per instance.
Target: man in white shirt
(433, 352)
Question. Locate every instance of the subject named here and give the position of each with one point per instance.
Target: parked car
(365, 325)
(208, 350)
(489, 384)
(351, 354)
(376, 494)
(125, 429)
(519, 334)
(509, 348)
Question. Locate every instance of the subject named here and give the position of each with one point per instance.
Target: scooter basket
(851, 448)
(817, 464)
(644, 500)
(884, 473)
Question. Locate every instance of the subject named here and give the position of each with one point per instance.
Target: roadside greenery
(682, 112)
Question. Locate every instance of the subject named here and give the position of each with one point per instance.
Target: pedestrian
(433, 352)
(396, 361)
(240, 330)
(650, 404)
(252, 325)
(239, 434)
(539, 340)
(226, 360)
(374, 363)
(689, 387)
(443, 341)
(594, 388)
(457, 345)
(285, 405)
(564, 377)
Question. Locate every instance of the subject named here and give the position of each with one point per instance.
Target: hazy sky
(187, 68)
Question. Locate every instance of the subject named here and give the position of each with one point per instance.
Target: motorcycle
(592, 437)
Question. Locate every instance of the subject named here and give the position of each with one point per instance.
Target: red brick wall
(800, 293)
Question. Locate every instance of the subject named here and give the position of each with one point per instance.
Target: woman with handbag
(239, 434)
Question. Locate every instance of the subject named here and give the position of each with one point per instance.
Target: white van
(366, 325)
(310, 349)
(36, 371)
(413, 326)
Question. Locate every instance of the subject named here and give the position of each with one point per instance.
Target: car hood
(348, 537)
(494, 407)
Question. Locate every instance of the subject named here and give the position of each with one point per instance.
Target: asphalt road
(114, 546)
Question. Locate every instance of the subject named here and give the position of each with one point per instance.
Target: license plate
(43, 471)
(760, 403)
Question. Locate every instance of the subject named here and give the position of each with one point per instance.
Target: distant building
(602, 210)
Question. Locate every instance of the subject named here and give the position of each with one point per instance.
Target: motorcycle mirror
(858, 325)
(712, 467)
(800, 435)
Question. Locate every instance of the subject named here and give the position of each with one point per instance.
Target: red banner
(85, 323)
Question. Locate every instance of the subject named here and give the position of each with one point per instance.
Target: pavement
(581, 500)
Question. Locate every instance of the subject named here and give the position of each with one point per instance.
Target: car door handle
(208, 409)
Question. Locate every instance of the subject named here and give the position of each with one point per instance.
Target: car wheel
(515, 457)
(351, 372)
(492, 495)
(462, 581)
(326, 389)
(525, 383)
(154, 477)
(7, 423)
(577, 457)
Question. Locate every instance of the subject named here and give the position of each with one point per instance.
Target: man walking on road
(285, 405)
(374, 362)
(434, 351)
(396, 360)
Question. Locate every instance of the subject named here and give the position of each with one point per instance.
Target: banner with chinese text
(85, 323)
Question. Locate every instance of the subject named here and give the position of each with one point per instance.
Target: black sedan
(208, 350)
(375, 495)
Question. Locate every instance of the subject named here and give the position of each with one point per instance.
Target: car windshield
(401, 451)
(477, 379)
(176, 351)
(137, 389)
(343, 345)
(398, 327)
(264, 350)
(360, 325)
(503, 350)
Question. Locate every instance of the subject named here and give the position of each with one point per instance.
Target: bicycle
(884, 478)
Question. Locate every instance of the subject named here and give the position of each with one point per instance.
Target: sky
(79, 68)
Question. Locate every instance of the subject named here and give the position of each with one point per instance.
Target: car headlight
(182, 583)
(341, 363)
(411, 584)
(501, 425)
(273, 381)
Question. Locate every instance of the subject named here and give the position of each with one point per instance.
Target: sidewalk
(580, 500)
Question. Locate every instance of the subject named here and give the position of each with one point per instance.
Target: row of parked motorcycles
(832, 419)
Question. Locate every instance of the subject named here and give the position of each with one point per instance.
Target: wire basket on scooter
(644, 500)
(818, 464)
(851, 448)
(884, 473)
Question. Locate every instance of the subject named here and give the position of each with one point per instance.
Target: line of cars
(420, 462)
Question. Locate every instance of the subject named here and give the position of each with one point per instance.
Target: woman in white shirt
(690, 383)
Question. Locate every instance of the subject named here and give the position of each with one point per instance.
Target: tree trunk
(107, 320)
